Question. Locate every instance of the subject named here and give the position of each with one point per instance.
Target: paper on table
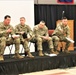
(51, 55)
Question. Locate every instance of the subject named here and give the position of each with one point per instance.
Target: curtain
(51, 13)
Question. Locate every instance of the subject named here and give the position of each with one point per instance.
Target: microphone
(63, 14)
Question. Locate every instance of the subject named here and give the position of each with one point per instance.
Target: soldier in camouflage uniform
(5, 30)
(61, 32)
(23, 29)
(41, 35)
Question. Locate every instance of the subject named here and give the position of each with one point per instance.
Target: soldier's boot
(18, 56)
(66, 51)
(56, 51)
(1, 58)
(29, 54)
(52, 51)
(66, 47)
(40, 53)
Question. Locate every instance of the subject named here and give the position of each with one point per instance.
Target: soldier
(5, 30)
(61, 32)
(41, 34)
(23, 30)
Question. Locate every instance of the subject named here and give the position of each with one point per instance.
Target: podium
(71, 26)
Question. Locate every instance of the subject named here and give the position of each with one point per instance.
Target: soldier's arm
(68, 32)
(46, 34)
(59, 29)
(35, 31)
(2, 31)
(17, 30)
(13, 30)
(30, 31)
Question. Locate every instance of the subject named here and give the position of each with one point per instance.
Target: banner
(66, 1)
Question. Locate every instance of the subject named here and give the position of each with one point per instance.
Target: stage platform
(12, 66)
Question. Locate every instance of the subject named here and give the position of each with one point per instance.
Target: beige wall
(48, 2)
(45, 1)
(74, 1)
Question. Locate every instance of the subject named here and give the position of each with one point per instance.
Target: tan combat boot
(40, 53)
(66, 51)
(56, 52)
(18, 56)
(1, 58)
(29, 54)
(52, 51)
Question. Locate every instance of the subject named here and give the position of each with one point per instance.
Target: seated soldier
(5, 30)
(22, 29)
(41, 35)
(61, 32)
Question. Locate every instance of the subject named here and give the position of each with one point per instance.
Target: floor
(67, 71)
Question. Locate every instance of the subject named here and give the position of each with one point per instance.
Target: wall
(45, 1)
(48, 2)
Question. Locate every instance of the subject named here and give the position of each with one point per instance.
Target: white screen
(17, 9)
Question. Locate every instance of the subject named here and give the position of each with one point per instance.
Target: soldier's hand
(59, 28)
(15, 36)
(22, 32)
(45, 37)
(62, 31)
(28, 39)
(9, 30)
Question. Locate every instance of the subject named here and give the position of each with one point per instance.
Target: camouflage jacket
(40, 32)
(60, 27)
(3, 29)
(23, 28)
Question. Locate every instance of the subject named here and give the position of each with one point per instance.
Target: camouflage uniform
(58, 36)
(24, 28)
(5, 39)
(42, 32)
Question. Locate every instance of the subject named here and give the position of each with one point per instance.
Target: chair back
(50, 32)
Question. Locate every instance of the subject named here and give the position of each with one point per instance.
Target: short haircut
(7, 16)
(42, 21)
(22, 17)
(64, 18)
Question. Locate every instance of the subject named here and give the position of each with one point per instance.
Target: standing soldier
(5, 30)
(61, 32)
(22, 29)
(41, 34)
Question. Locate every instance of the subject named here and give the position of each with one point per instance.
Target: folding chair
(10, 46)
(23, 47)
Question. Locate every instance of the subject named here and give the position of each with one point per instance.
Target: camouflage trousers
(41, 40)
(8, 41)
(57, 39)
(25, 43)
